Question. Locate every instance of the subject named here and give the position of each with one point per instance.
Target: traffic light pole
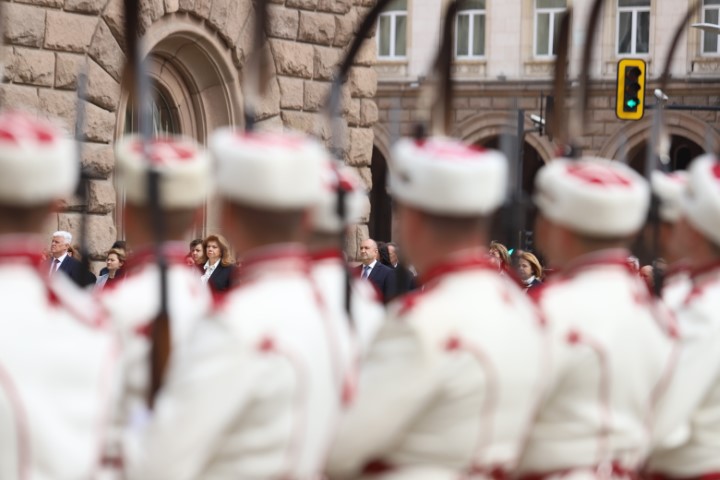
(688, 108)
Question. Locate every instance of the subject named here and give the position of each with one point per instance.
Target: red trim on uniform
(326, 254)
(701, 279)
(661, 476)
(21, 252)
(377, 467)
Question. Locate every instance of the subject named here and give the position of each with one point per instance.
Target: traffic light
(630, 104)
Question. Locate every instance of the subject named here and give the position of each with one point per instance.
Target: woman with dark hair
(384, 254)
(529, 270)
(115, 260)
(220, 265)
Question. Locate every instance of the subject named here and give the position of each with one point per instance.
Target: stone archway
(626, 139)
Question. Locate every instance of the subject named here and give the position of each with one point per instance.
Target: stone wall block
(202, 8)
(269, 103)
(68, 32)
(325, 62)
(23, 24)
(361, 144)
(353, 113)
(345, 26)
(362, 82)
(150, 11)
(335, 6)
(367, 54)
(99, 124)
(302, 4)
(238, 12)
(186, 5)
(84, 6)
(283, 22)
(67, 68)
(368, 112)
(219, 12)
(98, 159)
(101, 196)
(271, 124)
(310, 123)
(114, 17)
(293, 59)
(316, 95)
(102, 89)
(291, 93)
(106, 51)
(32, 67)
(19, 97)
(100, 230)
(317, 28)
(59, 105)
(172, 6)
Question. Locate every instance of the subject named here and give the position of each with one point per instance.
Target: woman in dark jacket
(219, 268)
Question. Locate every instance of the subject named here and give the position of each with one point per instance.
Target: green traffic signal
(632, 103)
(630, 89)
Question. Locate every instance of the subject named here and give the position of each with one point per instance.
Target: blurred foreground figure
(692, 412)
(329, 266)
(134, 304)
(258, 391)
(611, 353)
(451, 382)
(57, 356)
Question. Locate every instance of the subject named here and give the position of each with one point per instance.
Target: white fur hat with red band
(38, 162)
(183, 165)
(325, 218)
(701, 205)
(670, 190)
(444, 176)
(268, 170)
(595, 197)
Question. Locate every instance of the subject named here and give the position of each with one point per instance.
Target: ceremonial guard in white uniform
(612, 349)
(134, 303)
(258, 392)
(692, 449)
(329, 266)
(450, 384)
(57, 354)
(670, 190)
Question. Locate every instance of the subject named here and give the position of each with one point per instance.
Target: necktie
(366, 271)
(56, 265)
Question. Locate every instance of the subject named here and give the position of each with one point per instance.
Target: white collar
(371, 266)
(213, 266)
(530, 280)
(61, 259)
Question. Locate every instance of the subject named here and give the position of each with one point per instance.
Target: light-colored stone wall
(47, 42)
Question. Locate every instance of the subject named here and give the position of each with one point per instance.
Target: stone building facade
(196, 50)
(509, 67)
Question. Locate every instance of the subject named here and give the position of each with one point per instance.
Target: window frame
(555, 15)
(634, 10)
(393, 15)
(470, 13)
(703, 35)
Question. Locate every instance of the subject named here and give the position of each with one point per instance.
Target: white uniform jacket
(258, 391)
(132, 305)
(58, 358)
(613, 354)
(691, 411)
(451, 382)
(329, 273)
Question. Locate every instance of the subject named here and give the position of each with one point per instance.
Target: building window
(547, 25)
(165, 119)
(633, 27)
(711, 14)
(392, 31)
(470, 30)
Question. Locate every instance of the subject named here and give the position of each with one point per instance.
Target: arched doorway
(682, 152)
(380, 223)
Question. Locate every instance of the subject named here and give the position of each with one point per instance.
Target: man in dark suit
(381, 276)
(61, 261)
(404, 276)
